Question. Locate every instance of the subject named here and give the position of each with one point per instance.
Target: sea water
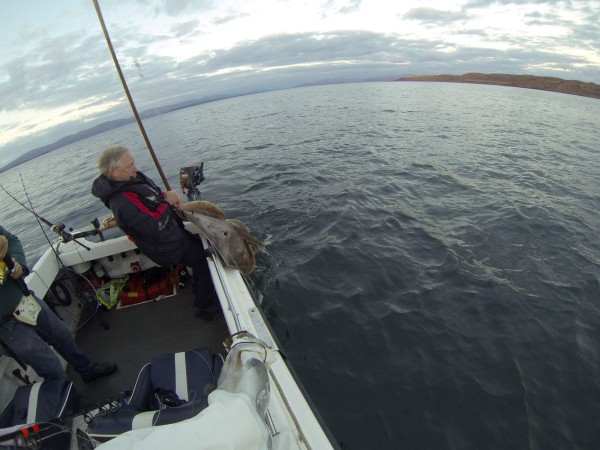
(432, 252)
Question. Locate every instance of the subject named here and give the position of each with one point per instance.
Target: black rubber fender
(61, 293)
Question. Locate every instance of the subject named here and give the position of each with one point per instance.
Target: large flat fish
(230, 237)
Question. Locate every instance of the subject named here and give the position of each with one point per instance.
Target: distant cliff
(523, 81)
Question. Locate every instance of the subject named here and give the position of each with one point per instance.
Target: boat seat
(39, 403)
(170, 388)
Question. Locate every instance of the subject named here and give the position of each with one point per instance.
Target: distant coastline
(105, 126)
(553, 84)
(523, 81)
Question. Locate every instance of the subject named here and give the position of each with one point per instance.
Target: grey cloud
(281, 50)
(177, 7)
(353, 5)
(68, 68)
(486, 3)
(61, 70)
(229, 18)
(589, 34)
(333, 7)
(535, 14)
(50, 83)
(583, 35)
(436, 16)
(184, 28)
(38, 72)
(358, 48)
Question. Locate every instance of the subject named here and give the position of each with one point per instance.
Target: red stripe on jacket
(135, 199)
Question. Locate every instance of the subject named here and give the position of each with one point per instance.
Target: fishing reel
(60, 230)
(66, 236)
(7, 265)
(3, 272)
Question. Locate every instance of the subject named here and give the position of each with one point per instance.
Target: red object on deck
(161, 286)
(142, 287)
(134, 291)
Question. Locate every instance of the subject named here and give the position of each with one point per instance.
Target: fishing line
(25, 207)
(60, 230)
(67, 270)
(38, 218)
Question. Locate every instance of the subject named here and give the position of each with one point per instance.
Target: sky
(57, 76)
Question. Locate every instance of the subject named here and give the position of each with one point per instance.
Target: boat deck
(138, 333)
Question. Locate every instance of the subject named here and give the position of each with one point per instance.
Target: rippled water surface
(433, 256)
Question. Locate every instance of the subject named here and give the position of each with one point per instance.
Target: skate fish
(230, 237)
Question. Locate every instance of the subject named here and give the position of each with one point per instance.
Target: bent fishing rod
(129, 97)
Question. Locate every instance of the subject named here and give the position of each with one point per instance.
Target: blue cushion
(189, 376)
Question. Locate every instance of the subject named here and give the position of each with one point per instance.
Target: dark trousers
(205, 296)
(31, 344)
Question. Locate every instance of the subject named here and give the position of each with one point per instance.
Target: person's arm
(172, 197)
(135, 219)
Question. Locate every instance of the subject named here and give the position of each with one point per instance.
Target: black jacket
(142, 213)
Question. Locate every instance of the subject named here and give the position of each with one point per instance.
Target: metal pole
(135, 113)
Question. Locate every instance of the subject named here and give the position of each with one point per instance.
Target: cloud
(435, 16)
(486, 3)
(184, 28)
(352, 6)
(178, 7)
(228, 18)
(66, 68)
(363, 47)
(557, 38)
(303, 48)
(343, 7)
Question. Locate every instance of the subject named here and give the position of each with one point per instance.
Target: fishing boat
(257, 401)
(183, 381)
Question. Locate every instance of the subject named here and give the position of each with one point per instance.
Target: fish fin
(205, 208)
(250, 262)
(254, 243)
(239, 225)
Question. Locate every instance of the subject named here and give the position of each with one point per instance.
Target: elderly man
(29, 339)
(147, 215)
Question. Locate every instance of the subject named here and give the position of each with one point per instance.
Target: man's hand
(173, 198)
(3, 246)
(18, 270)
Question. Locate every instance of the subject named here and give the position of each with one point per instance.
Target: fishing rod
(129, 97)
(33, 435)
(7, 265)
(25, 207)
(58, 229)
(72, 237)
